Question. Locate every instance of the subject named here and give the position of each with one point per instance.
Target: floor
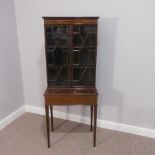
(27, 136)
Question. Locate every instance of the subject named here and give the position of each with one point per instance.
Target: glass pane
(58, 76)
(50, 58)
(80, 56)
(77, 40)
(77, 72)
(83, 76)
(84, 55)
(63, 77)
(58, 54)
(91, 40)
(88, 77)
(92, 58)
(58, 57)
(52, 73)
(84, 36)
(57, 36)
(76, 57)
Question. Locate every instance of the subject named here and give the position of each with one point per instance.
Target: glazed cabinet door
(58, 55)
(84, 55)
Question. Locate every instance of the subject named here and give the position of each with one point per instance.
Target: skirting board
(6, 121)
(100, 123)
(81, 119)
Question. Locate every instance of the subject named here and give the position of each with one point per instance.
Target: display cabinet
(71, 49)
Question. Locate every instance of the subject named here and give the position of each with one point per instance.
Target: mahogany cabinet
(71, 49)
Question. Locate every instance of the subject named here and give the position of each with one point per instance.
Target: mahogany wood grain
(70, 20)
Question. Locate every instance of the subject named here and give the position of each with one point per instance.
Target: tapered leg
(51, 108)
(95, 119)
(47, 124)
(91, 119)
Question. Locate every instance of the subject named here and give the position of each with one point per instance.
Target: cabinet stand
(71, 97)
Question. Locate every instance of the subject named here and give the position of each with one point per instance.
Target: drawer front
(70, 100)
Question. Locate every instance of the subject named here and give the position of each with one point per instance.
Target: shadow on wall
(42, 75)
(110, 100)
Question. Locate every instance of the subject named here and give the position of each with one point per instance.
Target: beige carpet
(27, 136)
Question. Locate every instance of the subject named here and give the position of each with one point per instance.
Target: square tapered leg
(47, 124)
(51, 109)
(91, 118)
(95, 120)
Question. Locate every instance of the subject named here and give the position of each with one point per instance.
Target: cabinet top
(70, 20)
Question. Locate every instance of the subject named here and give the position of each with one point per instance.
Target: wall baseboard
(100, 123)
(6, 121)
(80, 119)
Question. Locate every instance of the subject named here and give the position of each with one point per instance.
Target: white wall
(11, 89)
(126, 55)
